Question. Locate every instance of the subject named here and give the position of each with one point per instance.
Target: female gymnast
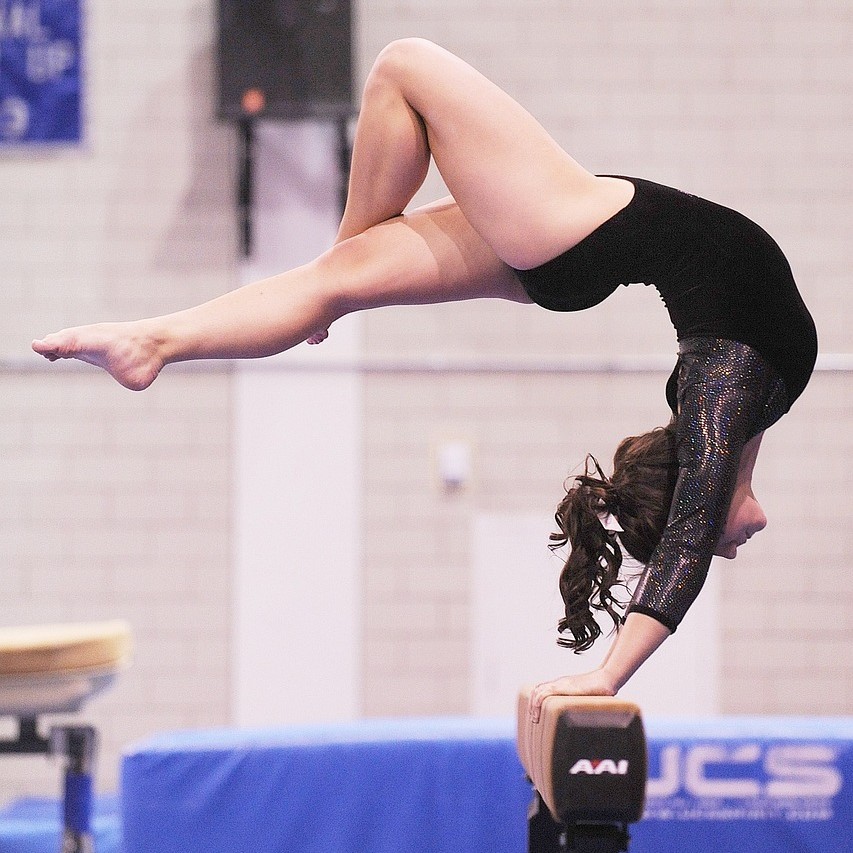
(527, 223)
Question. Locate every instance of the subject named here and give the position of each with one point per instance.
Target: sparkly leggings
(727, 393)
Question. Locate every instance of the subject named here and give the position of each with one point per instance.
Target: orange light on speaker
(254, 101)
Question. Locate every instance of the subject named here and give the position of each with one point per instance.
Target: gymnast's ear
(586, 757)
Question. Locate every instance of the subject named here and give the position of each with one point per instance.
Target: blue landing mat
(32, 825)
(373, 786)
(718, 785)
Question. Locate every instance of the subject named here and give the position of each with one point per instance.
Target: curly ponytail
(639, 493)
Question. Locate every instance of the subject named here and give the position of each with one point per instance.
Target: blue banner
(39, 71)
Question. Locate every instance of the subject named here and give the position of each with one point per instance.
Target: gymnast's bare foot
(127, 351)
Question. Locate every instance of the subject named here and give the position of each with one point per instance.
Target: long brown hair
(638, 495)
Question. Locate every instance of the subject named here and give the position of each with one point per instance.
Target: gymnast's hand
(595, 683)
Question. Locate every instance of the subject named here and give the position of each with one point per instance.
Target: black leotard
(747, 347)
(719, 274)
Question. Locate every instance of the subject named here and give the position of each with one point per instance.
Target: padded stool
(56, 669)
(586, 758)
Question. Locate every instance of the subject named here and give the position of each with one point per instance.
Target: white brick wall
(116, 504)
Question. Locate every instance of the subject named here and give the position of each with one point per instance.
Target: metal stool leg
(79, 745)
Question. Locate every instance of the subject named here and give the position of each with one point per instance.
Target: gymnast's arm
(713, 427)
(636, 641)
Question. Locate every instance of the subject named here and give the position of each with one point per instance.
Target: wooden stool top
(45, 649)
(56, 668)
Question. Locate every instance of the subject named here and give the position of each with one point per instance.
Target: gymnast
(527, 223)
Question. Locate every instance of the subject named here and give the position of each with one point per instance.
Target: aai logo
(597, 766)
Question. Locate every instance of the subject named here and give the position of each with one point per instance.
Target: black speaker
(285, 58)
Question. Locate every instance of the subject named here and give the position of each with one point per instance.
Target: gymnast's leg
(518, 200)
(432, 255)
(520, 191)
(525, 196)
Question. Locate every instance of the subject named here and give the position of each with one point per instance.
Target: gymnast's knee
(349, 275)
(401, 57)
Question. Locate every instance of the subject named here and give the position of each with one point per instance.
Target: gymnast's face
(746, 517)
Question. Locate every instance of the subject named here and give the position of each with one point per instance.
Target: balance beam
(586, 758)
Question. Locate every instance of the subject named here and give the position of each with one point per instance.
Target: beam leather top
(586, 757)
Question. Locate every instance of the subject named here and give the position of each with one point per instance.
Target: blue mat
(763, 785)
(757, 784)
(368, 787)
(33, 826)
